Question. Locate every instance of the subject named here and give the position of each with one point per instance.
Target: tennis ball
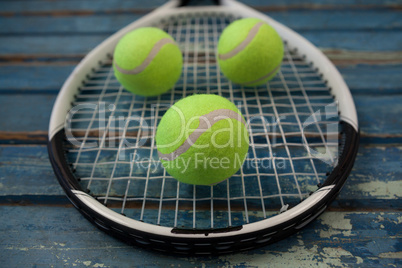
(147, 61)
(202, 139)
(250, 52)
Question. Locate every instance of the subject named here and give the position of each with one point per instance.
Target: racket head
(106, 177)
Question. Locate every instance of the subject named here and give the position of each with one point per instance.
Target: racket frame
(209, 241)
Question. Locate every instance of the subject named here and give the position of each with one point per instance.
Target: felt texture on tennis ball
(202, 139)
(147, 61)
(250, 52)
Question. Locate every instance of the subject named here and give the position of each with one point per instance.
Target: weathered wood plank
(31, 164)
(27, 177)
(361, 229)
(378, 115)
(103, 24)
(18, 7)
(361, 40)
(49, 45)
(373, 79)
(376, 176)
(88, 7)
(79, 45)
(36, 77)
(48, 78)
(330, 20)
(21, 113)
(37, 236)
(295, 19)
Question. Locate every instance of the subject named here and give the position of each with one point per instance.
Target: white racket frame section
(335, 81)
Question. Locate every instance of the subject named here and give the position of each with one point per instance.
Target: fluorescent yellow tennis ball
(202, 139)
(147, 61)
(250, 52)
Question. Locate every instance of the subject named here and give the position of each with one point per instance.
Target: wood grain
(378, 114)
(40, 43)
(47, 78)
(60, 237)
(87, 7)
(347, 20)
(28, 178)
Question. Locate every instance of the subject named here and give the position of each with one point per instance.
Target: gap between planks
(265, 8)
(41, 137)
(337, 56)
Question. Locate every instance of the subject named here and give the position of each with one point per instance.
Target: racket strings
(115, 155)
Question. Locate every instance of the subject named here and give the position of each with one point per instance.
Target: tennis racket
(303, 131)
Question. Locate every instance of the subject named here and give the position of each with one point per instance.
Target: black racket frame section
(207, 245)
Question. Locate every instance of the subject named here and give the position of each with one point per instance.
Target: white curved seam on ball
(208, 121)
(154, 51)
(263, 77)
(251, 34)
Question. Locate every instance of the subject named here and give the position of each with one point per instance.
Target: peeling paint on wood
(38, 226)
(61, 237)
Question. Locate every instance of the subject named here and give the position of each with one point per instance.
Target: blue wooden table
(41, 42)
